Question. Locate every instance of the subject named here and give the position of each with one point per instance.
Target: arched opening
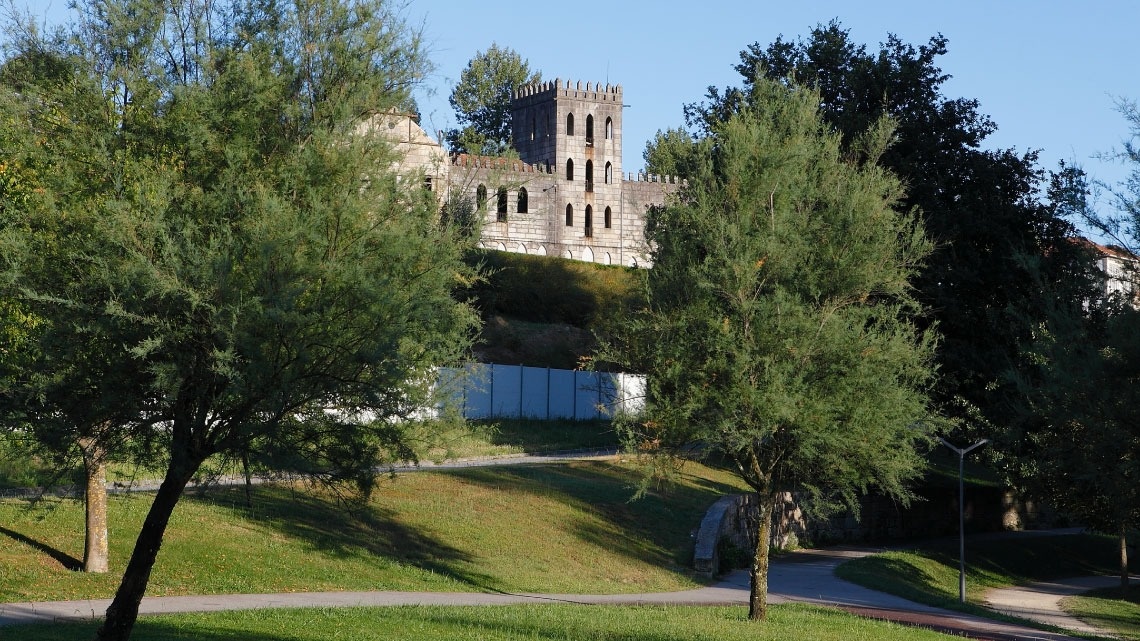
(522, 200)
(481, 197)
(589, 130)
(569, 215)
(501, 209)
(533, 128)
(569, 169)
(569, 124)
(609, 173)
(589, 175)
(609, 128)
(589, 226)
(607, 218)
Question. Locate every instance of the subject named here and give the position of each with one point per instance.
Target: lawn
(1105, 609)
(502, 623)
(549, 528)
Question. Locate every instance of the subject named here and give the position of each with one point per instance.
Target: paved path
(1040, 601)
(805, 576)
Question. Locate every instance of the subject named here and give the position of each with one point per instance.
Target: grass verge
(549, 528)
(495, 623)
(1108, 610)
(930, 574)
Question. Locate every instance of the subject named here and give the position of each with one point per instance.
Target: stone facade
(566, 194)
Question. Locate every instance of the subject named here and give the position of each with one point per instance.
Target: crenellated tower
(575, 131)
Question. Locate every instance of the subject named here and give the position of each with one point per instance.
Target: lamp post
(962, 513)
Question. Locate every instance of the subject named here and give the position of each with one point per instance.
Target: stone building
(566, 194)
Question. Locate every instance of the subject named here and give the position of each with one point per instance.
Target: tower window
(522, 200)
(481, 197)
(589, 130)
(609, 173)
(569, 124)
(608, 218)
(501, 211)
(609, 128)
(589, 227)
(589, 175)
(569, 169)
(533, 128)
(569, 215)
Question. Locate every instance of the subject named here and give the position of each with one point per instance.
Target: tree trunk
(124, 608)
(95, 545)
(1124, 560)
(758, 599)
(248, 478)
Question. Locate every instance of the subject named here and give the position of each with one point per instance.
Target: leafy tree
(981, 208)
(778, 333)
(221, 257)
(482, 101)
(668, 152)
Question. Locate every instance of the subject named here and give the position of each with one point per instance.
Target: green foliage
(482, 101)
(221, 257)
(779, 330)
(980, 208)
(667, 154)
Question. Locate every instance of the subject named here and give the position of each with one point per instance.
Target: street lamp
(962, 513)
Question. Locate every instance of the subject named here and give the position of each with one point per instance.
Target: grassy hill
(544, 311)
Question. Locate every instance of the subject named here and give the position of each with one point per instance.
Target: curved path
(1041, 601)
(805, 577)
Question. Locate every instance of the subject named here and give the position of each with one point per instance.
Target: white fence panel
(512, 391)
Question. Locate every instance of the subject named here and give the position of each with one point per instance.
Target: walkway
(805, 576)
(1041, 601)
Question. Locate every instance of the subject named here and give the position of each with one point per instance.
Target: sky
(1048, 73)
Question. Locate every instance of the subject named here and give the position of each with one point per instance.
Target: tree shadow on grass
(655, 528)
(66, 560)
(345, 530)
(145, 630)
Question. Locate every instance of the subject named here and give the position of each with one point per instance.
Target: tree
(981, 208)
(778, 333)
(482, 101)
(221, 255)
(666, 154)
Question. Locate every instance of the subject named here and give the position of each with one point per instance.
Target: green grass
(502, 437)
(505, 623)
(1108, 610)
(930, 574)
(550, 528)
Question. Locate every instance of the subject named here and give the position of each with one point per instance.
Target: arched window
(533, 128)
(569, 215)
(608, 219)
(481, 197)
(609, 128)
(501, 211)
(569, 124)
(589, 227)
(569, 169)
(522, 208)
(589, 175)
(609, 173)
(589, 129)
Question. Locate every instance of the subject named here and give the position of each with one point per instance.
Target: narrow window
(589, 227)
(522, 208)
(533, 128)
(609, 173)
(501, 212)
(569, 124)
(481, 198)
(609, 128)
(589, 175)
(427, 183)
(569, 215)
(608, 220)
(569, 169)
(589, 130)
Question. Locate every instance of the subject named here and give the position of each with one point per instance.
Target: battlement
(494, 162)
(655, 178)
(555, 88)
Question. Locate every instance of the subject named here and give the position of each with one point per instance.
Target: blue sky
(1047, 72)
